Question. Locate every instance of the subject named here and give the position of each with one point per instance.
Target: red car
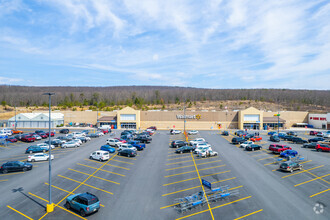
(105, 131)
(256, 138)
(43, 135)
(11, 139)
(121, 140)
(28, 138)
(322, 147)
(52, 134)
(313, 133)
(278, 148)
(153, 128)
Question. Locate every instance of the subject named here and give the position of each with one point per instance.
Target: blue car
(289, 153)
(108, 148)
(35, 149)
(137, 144)
(271, 133)
(84, 203)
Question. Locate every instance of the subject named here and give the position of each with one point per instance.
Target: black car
(238, 140)
(225, 133)
(143, 138)
(291, 133)
(178, 143)
(274, 138)
(310, 145)
(64, 138)
(248, 136)
(56, 143)
(83, 139)
(64, 131)
(288, 137)
(184, 149)
(316, 139)
(253, 147)
(92, 135)
(19, 136)
(12, 166)
(127, 152)
(239, 133)
(39, 131)
(298, 140)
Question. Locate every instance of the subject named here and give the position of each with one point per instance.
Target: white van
(100, 155)
(6, 132)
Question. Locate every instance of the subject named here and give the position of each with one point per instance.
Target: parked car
(281, 135)
(127, 152)
(39, 131)
(100, 155)
(316, 139)
(78, 141)
(274, 138)
(36, 137)
(288, 153)
(43, 135)
(35, 149)
(237, 140)
(323, 147)
(92, 135)
(121, 140)
(17, 131)
(173, 131)
(288, 137)
(113, 142)
(82, 139)
(272, 133)
(178, 143)
(320, 134)
(56, 142)
(45, 145)
(184, 149)
(126, 146)
(209, 153)
(19, 136)
(246, 143)
(143, 138)
(12, 166)
(201, 148)
(108, 148)
(65, 139)
(248, 136)
(11, 139)
(192, 132)
(28, 138)
(64, 131)
(70, 144)
(298, 140)
(239, 133)
(278, 148)
(86, 132)
(84, 203)
(292, 133)
(225, 133)
(137, 145)
(153, 128)
(52, 134)
(253, 147)
(325, 142)
(327, 134)
(310, 145)
(290, 166)
(196, 141)
(313, 133)
(256, 138)
(39, 157)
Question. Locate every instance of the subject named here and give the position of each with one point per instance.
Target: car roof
(87, 196)
(101, 151)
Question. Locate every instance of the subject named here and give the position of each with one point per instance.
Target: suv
(28, 138)
(196, 141)
(12, 166)
(274, 138)
(100, 155)
(143, 139)
(253, 147)
(137, 144)
(311, 145)
(35, 149)
(290, 166)
(173, 131)
(113, 142)
(246, 143)
(127, 152)
(278, 148)
(84, 203)
(298, 140)
(178, 143)
(126, 146)
(316, 139)
(237, 140)
(323, 147)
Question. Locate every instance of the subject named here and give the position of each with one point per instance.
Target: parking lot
(146, 186)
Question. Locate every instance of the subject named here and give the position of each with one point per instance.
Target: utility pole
(15, 118)
(184, 117)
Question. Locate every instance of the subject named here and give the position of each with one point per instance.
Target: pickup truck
(143, 139)
(28, 138)
(137, 144)
(278, 148)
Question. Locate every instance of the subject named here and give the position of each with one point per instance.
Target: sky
(197, 43)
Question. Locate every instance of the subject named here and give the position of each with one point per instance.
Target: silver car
(70, 144)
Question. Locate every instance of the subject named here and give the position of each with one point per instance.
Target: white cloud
(7, 80)
(155, 57)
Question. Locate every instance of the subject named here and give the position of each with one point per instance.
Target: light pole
(50, 205)
(184, 117)
(15, 118)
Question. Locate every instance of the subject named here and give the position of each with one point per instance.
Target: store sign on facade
(189, 116)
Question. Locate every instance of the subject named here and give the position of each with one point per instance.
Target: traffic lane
(37, 177)
(263, 185)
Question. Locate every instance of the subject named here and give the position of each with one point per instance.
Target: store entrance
(255, 126)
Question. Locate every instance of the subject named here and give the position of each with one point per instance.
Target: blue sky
(207, 44)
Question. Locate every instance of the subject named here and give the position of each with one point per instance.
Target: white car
(45, 146)
(100, 155)
(113, 142)
(246, 143)
(126, 146)
(199, 149)
(39, 157)
(206, 153)
(99, 133)
(37, 137)
(192, 132)
(70, 144)
(151, 131)
(88, 138)
(173, 131)
(77, 141)
(196, 141)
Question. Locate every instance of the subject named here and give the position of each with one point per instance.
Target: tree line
(146, 95)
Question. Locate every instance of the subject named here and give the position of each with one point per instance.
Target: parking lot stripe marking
(320, 177)
(3, 180)
(123, 162)
(181, 190)
(185, 161)
(193, 171)
(106, 164)
(169, 206)
(127, 158)
(19, 212)
(101, 170)
(317, 176)
(269, 163)
(252, 213)
(319, 193)
(178, 158)
(303, 171)
(208, 162)
(260, 153)
(56, 205)
(207, 158)
(200, 180)
(85, 184)
(224, 180)
(94, 176)
(11, 173)
(268, 157)
(174, 155)
(192, 165)
(214, 207)
(300, 163)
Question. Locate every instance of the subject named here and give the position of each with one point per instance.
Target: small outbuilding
(36, 120)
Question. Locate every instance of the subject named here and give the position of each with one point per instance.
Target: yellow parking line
(175, 155)
(85, 184)
(185, 161)
(308, 181)
(123, 162)
(3, 180)
(300, 163)
(208, 162)
(252, 213)
(302, 171)
(101, 169)
(181, 190)
(108, 164)
(178, 158)
(193, 171)
(19, 212)
(164, 207)
(269, 163)
(261, 153)
(192, 165)
(319, 193)
(268, 157)
(94, 176)
(207, 158)
(317, 176)
(11, 173)
(223, 180)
